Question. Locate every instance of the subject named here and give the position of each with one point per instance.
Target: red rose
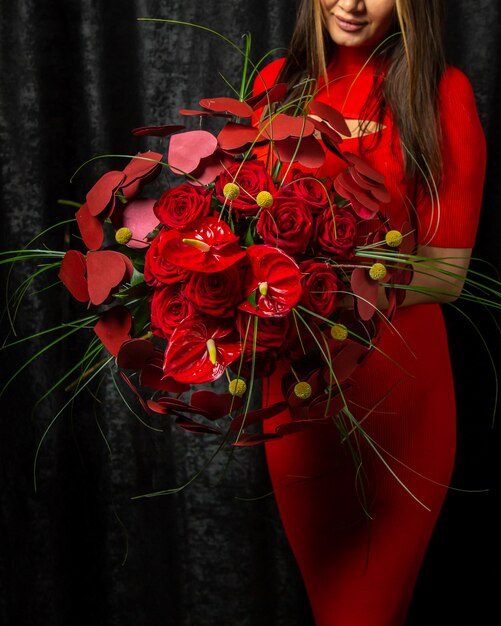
(321, 287)
(251, 177)
(181, 206)
(168, 309)
(216, 294)
(338, 240)
(310, 189)
(272, 332)
(157, 270)
(287, 224)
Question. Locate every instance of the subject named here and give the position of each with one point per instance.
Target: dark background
(76, 76)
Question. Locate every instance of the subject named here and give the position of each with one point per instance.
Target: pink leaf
(139, 218)
(187, 149)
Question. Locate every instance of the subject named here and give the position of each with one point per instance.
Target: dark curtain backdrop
(76, 76)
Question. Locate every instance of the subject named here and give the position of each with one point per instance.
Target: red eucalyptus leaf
(307, 151)
(268, 97)
(363, 181)
(166, 405)
(326, 130)
(366, 293)
(72, 275)
(346, 186)
(133, 388)
(259, 415)
(142, 166)
(364, 168)
(113, 328)
(330, 115)
(90, 228)
(233, 136)
(187, 149)
(324, 407)
(246, 439)
(282, 126)
(134, 354)
(152, 376)
(106, 269)
(215, 405)
(210, 168)
(298, 426)
(227, 105)
(347, 360)
(157, 131)
(207, 113)
(101, 197)
(196, 427)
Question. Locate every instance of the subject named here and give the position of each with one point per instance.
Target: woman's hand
(441, 276)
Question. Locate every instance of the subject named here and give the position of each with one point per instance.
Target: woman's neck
(349, 59)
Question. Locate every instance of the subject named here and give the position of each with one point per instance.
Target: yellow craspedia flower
(123, 235)
(302, 390)
(231, 191)
(264, 199)
(377, 271)
(393, 238)
(237, 387)
(339, 332)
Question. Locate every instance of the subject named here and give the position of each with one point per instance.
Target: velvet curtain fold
(75, 77)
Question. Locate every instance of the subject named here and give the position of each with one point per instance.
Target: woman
(381, 63)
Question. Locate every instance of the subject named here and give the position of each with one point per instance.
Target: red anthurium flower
(200, 350)
(274, 282)
(210, 247)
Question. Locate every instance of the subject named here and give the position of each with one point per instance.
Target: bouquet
(250, 267)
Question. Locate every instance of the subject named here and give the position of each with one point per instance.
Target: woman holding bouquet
(412, 118)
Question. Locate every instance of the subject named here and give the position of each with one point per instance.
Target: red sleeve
(451, 222)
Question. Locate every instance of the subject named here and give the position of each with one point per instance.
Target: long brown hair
(415, 60)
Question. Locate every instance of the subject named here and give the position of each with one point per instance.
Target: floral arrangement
(242, 264)
(248, 262)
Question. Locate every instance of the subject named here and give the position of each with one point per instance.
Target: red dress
(360, 573)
